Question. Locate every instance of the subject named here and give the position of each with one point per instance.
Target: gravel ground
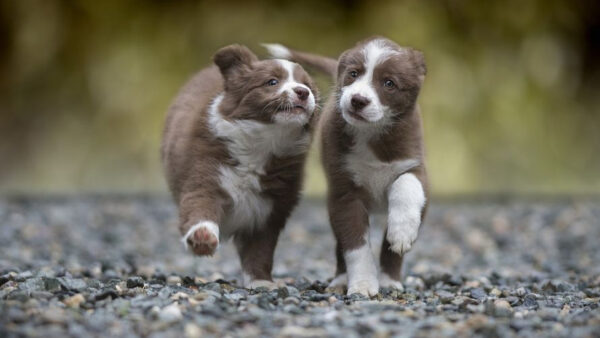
(114, 266)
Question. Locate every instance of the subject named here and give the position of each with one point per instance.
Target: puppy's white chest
(372, 174)
(249, 207)
(251, 145)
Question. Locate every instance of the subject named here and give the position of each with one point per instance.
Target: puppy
(233, 151)
(373, 156)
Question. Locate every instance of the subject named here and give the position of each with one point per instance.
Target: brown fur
(192, 154)
(349, 205)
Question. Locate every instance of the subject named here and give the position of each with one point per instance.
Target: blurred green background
(511, 102)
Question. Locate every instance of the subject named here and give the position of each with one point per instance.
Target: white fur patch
(385, 281)
(406, 199)
(252, 144)
(277, 51)
(211, 226)
(340, 281)
(250, 283)
(374, 175)
(243, 186)
(291, 118)
(362, 271)
(374, 52)
(287, 86)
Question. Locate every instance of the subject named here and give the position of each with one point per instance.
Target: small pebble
(74, 301)
(174, 280)
(170, 314)
(134, 282)
(478, 294)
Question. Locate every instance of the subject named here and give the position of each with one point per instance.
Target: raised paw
(385, 281)
(406, 201)
(203, 238)
(402, 235)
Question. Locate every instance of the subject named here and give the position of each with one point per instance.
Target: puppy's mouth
(295, 108)
(356, 115)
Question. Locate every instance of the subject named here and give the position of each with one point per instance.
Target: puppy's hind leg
(391, 266)
(256, 249)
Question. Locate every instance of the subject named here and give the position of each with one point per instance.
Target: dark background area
(510, 103)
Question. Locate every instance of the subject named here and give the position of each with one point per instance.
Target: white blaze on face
(375, 52)
(287, 86)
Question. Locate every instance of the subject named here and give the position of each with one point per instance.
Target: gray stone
(445, 296)
(51, 284)
(41, 294)
(293, 309)
(292, 291)
(135, 282)
(521, 292)
(22, 276)
(479, 294)
(216, 287)
(73, 284)
(556, 285)
(282, 292)
(234, 297)
(18, 295)
(498, 308)
(32, 284)
(530, 301)
(170, 314)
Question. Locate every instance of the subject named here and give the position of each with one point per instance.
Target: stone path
(114, 266)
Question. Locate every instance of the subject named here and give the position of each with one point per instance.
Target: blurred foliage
(510, 103)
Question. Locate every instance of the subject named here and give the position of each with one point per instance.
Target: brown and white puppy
(373, 156)
(233, 150)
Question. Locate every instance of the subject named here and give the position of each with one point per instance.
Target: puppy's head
(269, 91)
(378, 81)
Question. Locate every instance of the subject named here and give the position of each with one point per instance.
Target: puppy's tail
(317, 62)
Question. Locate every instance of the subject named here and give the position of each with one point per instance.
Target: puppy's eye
(272, 82)
(389, 84)
(353, 73)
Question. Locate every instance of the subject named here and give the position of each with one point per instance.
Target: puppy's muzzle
(358, 102)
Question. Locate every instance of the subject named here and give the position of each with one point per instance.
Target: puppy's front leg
(350, 222)
(406, 200)
(256, 248)
(200, 213)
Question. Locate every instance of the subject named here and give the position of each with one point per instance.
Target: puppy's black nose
(302, 93)
(358, 102)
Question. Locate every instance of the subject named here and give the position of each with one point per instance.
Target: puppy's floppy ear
(229, 59)
(342, 64)
(419, 61)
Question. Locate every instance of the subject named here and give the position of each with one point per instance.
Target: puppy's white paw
(362, 271)
(385, 281)
(339, 281)
(277, 51)
(405, 204)
(366, 286)
(402, 233)
(261, 283)
(338, 284)
(202, 238)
